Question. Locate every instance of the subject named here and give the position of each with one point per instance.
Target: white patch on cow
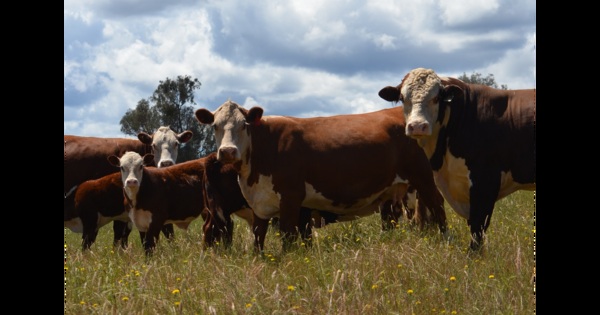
(131, 164)
(508, 185)
(141, 219)
(75, 225)
(182, 224)
(453, 182)
(230, 130)
(165, 146)
(261, 196)
(420, 103)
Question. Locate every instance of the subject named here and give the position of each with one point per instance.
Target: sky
(301, 58)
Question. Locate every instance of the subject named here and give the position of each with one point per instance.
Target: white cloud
(298, 57)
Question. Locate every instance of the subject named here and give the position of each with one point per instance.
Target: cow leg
(121, 231)
(389, 215)
(150, 237)
(211, 232)
(305, 225)
(168, 231)
(259, 229)
(429, 198)
(216, 230)
(483, 196)
(90, 230)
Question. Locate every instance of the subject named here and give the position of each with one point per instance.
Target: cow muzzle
(165, 163)
(227, 154)
(418, 129)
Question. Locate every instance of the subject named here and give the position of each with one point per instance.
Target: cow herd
(467, 144)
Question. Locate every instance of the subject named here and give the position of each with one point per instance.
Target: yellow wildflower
(175, 291)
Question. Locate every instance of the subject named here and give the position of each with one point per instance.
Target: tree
(476, 78)
(171, 108)
(142, 118)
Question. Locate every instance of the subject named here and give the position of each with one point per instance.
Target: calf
(346, 165)
(175, 194)
(480, 140)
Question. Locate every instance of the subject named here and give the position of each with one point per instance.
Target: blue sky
(300, 58)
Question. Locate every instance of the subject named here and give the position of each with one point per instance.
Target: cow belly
(182, 224)
(75, 225)
(141, 219)
(509, 186)
(102, 220)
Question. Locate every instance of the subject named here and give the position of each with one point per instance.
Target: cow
(85, 158)
(175, 194)
(480, 140)
(346, 165)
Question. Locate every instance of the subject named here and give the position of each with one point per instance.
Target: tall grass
(351, 268)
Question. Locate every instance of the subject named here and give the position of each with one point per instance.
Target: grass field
(351, 268)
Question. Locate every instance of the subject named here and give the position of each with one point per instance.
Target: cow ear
(145, 138)
(390, 94)
(149, 159)
(204, 116)
(254, 116)
(114, 160)
(450, 92)
(185, 136)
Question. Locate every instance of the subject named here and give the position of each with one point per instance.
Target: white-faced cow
(85, 158)
(346, 165)
(480, 140)
(176, 194)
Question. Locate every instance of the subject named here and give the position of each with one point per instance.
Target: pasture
(351, 268)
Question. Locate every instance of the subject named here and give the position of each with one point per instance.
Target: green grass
(351, 268)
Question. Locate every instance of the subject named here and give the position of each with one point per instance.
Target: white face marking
(420, 92)
(453, 182)
(75, 225)
(141, 219)
(131, 164)
(165, 146)
(230, 131)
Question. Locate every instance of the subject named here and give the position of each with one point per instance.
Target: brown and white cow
(480, 140)
(175, 194)
(85, 158)
(346, 165)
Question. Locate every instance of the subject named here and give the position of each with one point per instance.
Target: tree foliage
(170, 105)
(477, 78)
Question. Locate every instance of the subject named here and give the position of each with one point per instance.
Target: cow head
(231, 122)
(421, 92)
(165, 144)
(132, 166)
